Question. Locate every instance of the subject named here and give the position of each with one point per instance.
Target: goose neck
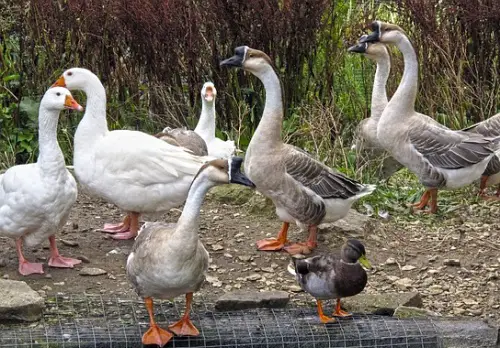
(50, 154)
(379, 94)
(94, 123)
(270, 125)
(206, 124)
(406, 94)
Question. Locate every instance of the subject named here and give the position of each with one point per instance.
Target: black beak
(359, 48)
(235, 174)
(235, 61)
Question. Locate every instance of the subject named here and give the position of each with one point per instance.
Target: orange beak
(60, 82)
(70, 103)
(209, 94)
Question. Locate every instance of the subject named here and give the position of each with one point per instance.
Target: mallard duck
(134, 170)
(206, 125)
(441, 158)
(304, 190)
(35, 199)
(186, 138)
(169, 260)
(327, 277)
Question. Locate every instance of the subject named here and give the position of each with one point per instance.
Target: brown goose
(304, 190)
(185, 138)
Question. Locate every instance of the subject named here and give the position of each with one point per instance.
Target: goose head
(208, 92)
(76, 78)
(372, 50)
(223, 171)
(249, 59)
(384, 32)
(59, 98)
(354, 251)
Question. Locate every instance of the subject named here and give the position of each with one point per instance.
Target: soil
(453, 261)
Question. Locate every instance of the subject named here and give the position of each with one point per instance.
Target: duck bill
(70, 103)
(364, 262)
(235, 61)
(359, 48)
(60, 82)
(235, 174)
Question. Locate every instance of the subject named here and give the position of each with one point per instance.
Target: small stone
(3, 262)
(408, 268)
(391, 261)
(295, 288)
(48, 276)
(214, 281)
(404, 283)
(436, 289)
(432, 258)
(267, 269)
(112, 277)
(393, 278)
(92, 271)
(6, 276)
(244, 258)
(70, 243)
(451, 262)
(46, 288)
(239, 235)
(217, 247)
(83, 258)
(74, 226)
(228, 255)
(60, 284)
(254, 277)
(470, 302)
(239, 300)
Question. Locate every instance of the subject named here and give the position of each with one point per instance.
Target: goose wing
(322, 180)
(487, 128)
(448, 149)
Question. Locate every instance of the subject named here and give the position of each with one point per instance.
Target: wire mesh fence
(94, 321)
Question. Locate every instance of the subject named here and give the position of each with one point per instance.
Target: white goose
(35, 199)
(440, 157)
(206, 125)
(134, 170)
(304, 190)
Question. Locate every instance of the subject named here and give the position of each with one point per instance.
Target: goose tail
(365, 191)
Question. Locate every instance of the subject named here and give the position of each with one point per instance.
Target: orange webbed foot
(341, 313)
(156, 335)
(184, 327)
(326, 319)
(270, 244)
(300, 248)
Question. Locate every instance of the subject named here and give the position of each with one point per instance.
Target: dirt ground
(417, 254)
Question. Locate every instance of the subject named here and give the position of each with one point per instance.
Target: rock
(238, 300)
(70, 243)
(83, 258)
(232, 194)
(403, 312)
(6, 276)
(3, 262)
(92, 271)
(404, 283)
(391, 261)
(217, 247)
(295, 288)
(408, 268)
(354, 224)
(451, 262)
(254, 277)
(378, 303)
(19, 302)
(245, 258)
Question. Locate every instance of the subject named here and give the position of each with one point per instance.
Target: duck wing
(322, 180)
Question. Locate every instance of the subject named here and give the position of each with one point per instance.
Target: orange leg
(433, 205)
(324, 319)
(56, 260)
(184, 327)
(307, 247)
(115, 228)
(155, 335)
(275, 244)
(127, 229)
(423, 201)
(339, 312)
(25, 267)
(482, 191)
(498, 191)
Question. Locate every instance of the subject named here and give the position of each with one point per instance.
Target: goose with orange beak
(134, 170)
(35, 199)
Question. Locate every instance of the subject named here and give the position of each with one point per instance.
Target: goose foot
(115, 228)
(124, 235)
(275, 244)
(26, 268)
(155, 334)
(56, 260)
(428, 198)
(339, 312)
(185, 327)
(126, 230)
(324, 319)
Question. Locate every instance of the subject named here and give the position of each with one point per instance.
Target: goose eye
(58, 94)
(250, 55)
(70, 73)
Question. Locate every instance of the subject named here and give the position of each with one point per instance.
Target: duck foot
(27, 268)
(184, 327)
(156, 335)
(324, 319)
(339, 312)
(299, 248)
